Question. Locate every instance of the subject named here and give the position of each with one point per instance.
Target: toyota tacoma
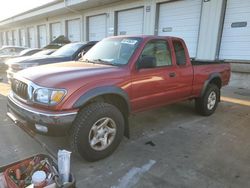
(92, 99)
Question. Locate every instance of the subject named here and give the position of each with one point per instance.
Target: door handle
(172, 74)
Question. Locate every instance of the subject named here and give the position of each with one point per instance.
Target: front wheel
(207, 104)
(97, 131)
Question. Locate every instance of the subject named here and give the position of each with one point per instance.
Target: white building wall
(209, 31)
(1, 39)
(48, 32)
(15, 37)
(63, 27)
(149, 16)
(5, 38)
(26, 36)
(22, 36)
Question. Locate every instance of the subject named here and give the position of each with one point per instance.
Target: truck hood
(65, 75)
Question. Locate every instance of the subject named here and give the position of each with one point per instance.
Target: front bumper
(57, 122)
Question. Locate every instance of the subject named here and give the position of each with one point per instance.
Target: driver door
(152, 87)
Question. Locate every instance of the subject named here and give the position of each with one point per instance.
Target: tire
(89, 127)
(202, 104)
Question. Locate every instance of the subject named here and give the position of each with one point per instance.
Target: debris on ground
(150, 143)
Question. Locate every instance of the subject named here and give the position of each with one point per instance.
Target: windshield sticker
(129, 41)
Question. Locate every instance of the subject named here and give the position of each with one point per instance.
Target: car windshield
(43, 52)
(23, 52)
(115, 51)
(68, 50)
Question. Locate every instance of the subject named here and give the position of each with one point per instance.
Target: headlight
(49, 96)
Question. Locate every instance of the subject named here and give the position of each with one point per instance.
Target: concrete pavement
(169, 147)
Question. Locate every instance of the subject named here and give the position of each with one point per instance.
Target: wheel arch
(109, 94)
(215, 79)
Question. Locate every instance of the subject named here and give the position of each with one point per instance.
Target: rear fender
(208, 81)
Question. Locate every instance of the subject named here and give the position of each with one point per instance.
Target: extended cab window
(179, 53)
(158, 49)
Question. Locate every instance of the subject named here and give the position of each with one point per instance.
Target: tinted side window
(158, 49)
(18, 50)
(31, 53)
(87, 48)
(179, 53)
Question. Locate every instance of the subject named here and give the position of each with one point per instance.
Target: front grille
(20, 88)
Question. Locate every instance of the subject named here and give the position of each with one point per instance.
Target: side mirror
(147, 62)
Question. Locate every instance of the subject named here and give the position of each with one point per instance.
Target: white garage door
(9, 36)
(74, 30)
(22, 37)
(55, 30)
(15, 38)
(42, 35)
(31, 34)
(181, 19)
(235, 42)
(97, 29)
(130, 22)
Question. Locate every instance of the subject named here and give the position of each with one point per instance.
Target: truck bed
(204, 69)
(208, 62)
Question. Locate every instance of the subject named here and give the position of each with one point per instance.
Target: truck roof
(145, 36)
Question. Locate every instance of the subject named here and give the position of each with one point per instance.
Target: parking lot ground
(169, 147)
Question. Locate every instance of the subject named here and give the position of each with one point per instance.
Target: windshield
(68, 50)
(115, 51)
(24, 52)
(43, 52)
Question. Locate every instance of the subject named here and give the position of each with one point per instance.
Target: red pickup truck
(92, 99)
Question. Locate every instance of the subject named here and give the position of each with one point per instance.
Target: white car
(7, 52)
(17, 64)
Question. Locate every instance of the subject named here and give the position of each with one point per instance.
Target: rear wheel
(207, 104)
(97, 131)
